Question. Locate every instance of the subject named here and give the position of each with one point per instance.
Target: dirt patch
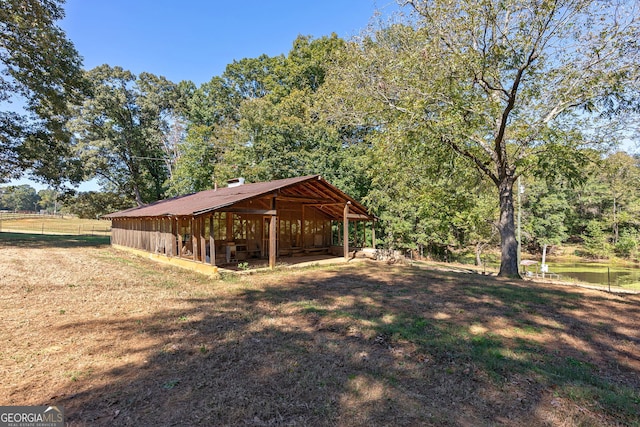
(120, 340)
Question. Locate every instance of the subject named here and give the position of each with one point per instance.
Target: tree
(427, 200)
(19, 198)
(49, 201)
(93, 204)
(596, 244)
(621, 174)
(259, 119)
(40, 68)
(545, 211)
(121, 128)
(503, 84)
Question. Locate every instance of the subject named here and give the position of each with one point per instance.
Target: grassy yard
(43, 224)
(119, 340)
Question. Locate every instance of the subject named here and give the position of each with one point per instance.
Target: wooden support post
(168, 237)
(373, 234)
(203, 243)
(229, 219)
(345, 231)
(194, 238)
(179, 231)
(302, 225)
(272, 236)
(212, 242)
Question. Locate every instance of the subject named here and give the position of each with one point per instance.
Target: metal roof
(310, 190)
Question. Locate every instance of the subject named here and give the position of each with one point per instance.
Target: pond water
(597, 273)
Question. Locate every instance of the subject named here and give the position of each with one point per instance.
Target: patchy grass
(119, 340)
(25, 240)
(42, 224)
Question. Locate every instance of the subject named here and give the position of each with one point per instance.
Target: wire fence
(52, 224)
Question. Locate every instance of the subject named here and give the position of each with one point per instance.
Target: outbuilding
(300, 216)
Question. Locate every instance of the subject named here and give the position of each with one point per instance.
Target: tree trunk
(508, 242)
(615, 223)
(544, 259)
(136, 193)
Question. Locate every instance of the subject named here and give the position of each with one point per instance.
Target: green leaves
(39, 67)
(120, 131)
(502, 84)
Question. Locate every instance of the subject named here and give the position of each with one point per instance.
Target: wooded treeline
(429, 119)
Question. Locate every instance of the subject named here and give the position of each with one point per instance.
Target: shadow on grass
(28, 240)
(339, 347)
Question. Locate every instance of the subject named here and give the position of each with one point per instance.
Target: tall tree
(121, 128)
(19, 198)
(93, 204)
(545, 209)
(501, 83)
(259, 119)
(40, 71)
(621, 174)
(49, 201)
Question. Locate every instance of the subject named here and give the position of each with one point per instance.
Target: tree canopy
(503, 84)
(119, 131)
(429, 118)
(40, 70)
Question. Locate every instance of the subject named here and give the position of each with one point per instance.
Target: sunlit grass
(53, 225)
(364, 344)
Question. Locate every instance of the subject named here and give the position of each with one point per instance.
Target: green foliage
(49, 201)
(507, 85)
(595, 241)
(429, 121)
(627, 245)
(41, 67)
(94, 204)
(260, 120)
(120, 130)
(545, 210)
(19, 198)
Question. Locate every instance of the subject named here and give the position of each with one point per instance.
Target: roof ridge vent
(235, 182)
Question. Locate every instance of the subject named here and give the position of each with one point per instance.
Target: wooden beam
(250, 211)
(194, 239)
(179, 231)
(171, 238)
(212, 242)
(229, 221)
(358, 216)
(302, 227)
(325, 204)
(272, 237)
(345, 230)
(203, 245)
(304, 199)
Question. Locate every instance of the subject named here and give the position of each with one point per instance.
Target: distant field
(49, 224)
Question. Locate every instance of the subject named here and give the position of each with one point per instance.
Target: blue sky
(196, 39)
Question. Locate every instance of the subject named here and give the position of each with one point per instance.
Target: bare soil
(120, 340)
